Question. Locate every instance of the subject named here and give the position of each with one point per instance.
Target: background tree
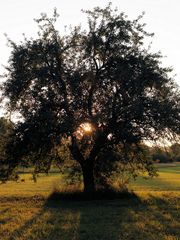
(175, 152)
(6, 129)
(161, 155)
(95, 88)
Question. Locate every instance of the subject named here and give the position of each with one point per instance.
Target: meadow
(27, 211)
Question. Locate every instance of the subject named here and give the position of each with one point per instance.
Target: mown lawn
(28, 212)
(168, 180)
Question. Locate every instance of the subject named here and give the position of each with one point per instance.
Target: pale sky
(162, 18)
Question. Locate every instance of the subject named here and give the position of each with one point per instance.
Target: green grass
(44, 185)
(168, 180)
(28, 213)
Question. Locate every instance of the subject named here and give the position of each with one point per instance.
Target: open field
(168, 180)
(26, 211)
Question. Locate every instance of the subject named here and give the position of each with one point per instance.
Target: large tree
(93, 89)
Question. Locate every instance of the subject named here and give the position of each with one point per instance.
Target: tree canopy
(95, 89)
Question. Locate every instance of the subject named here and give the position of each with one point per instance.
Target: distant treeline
(166, 154)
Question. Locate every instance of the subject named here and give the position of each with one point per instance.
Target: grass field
(27, 212)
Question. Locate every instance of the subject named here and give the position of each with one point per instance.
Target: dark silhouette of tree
(6, 129)
(94, 89)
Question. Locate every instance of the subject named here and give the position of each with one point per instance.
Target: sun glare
(86, 127)
(83, 130)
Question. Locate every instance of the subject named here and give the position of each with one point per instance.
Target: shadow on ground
(126, 218)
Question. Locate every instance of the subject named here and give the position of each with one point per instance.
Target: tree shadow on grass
(125, 218)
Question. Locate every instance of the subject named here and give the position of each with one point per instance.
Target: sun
(86, 127)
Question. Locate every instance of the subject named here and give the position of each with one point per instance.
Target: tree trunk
(88, 179)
